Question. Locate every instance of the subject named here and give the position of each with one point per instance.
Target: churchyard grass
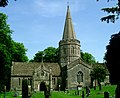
(56, 94)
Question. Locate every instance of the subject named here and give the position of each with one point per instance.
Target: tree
(5, 52)
(5, 61)
(38, 57)
(19, 52)
(113, 12)
(49, 54)
(98, 73)
(87, 57)
(112, 59)
(4, 3)
(9, 51)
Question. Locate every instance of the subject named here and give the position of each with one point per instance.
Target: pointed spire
(68, 28)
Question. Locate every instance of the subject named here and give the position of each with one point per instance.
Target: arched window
(79, 77)
(72, 50)
(42, 73)
(64, 50)
(78, 50)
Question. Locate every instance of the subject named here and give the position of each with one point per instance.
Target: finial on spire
(68, 4)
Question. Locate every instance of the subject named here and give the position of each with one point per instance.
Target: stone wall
(72, 76)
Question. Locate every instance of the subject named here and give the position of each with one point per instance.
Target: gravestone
(87, 91)
(83, 94)
(15, 92)
(47, 94)
(4, 91)
(106, 94)
(24, 88)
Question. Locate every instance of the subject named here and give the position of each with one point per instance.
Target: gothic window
(42, 73)
(79, 77)
(64, 51)
(72, 50)
(78, 50)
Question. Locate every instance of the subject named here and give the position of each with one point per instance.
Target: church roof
(68, 28)
(79, 61)
(27, 68)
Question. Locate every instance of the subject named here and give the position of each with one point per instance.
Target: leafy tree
(9, 51)
(38, 57)
(112, 11)
(19, 52)
(87, 57)
(5, 52)
(4, 3)
(50, 54)
(98, 73)
(112, 59)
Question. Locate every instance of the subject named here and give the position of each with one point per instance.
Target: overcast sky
(39, 24)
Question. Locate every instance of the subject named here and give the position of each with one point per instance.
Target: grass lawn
(55, 94)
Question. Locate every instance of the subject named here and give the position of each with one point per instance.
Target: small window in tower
(72, 50)
(78, 50)
(64, 51)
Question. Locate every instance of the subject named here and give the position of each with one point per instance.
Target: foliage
(5, 61)
(87, 57)
(98, 73)
(50, 54)
(112, 59)
(19, 52)
(38, 56)
(5, 51)
(113, 12)
(9, 50)
(93, 94)
(4, 3)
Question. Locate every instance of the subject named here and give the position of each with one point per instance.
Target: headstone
(4, 91)
(83, 94)
(29, 91)
(46, 94)
(15, 92)
(75, 93)
(78, 92)
(87, 91)
(106, 94)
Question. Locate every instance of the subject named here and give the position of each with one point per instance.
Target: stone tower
(69, 46)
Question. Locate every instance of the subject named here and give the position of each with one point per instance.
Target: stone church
(70, 66)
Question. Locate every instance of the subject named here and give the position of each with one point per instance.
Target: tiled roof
(27, 68)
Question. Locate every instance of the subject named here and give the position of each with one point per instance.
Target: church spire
(69, 46)
(68, 28)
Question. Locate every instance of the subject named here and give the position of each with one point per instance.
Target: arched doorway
(43, 86)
